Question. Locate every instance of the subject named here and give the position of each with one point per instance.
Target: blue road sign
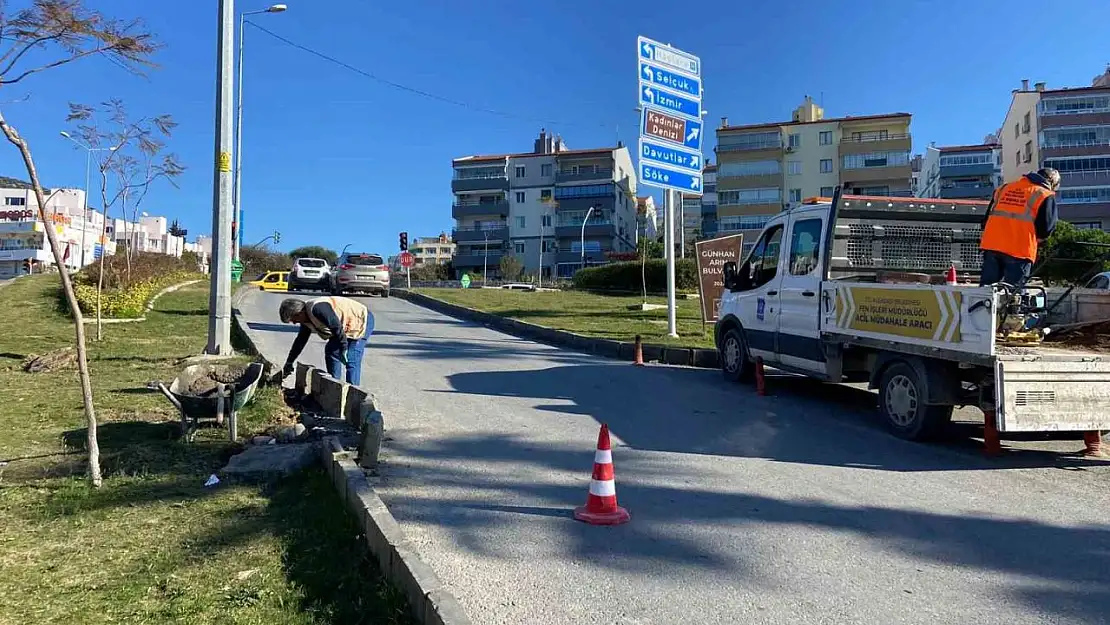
(657, 124)
(670, 101)
(668, 57)
(98, 251)
(659, 153)
(669, 178)
(662, 78)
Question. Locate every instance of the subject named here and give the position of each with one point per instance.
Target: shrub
(145, 266)
(258, 260)
(1067, 260)
(129, 302)
(628, 277)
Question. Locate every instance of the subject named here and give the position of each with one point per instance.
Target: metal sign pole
(672, 322)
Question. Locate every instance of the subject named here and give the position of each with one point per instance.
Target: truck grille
(1030, 398)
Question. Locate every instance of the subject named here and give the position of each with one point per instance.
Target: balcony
(594, 229)
(600, 173)
(1075, 148)
(460, 210)
(981, 191)
(484, 183)
(875, 143)
(480, 234)
(872, 174)
(979, 169)
(607, 202)
(476, 260)
(567, 255)
(747, 146)
(1085, 178)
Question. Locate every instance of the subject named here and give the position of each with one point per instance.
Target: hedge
(629, 276)
(144, 266)
(126, 303)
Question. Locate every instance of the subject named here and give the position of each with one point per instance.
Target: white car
(310, 274)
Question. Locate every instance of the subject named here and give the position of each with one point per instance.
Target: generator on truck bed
(852, 289)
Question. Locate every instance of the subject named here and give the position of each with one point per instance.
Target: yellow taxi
(272, 281)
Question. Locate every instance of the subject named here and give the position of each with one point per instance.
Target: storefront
(23, 238)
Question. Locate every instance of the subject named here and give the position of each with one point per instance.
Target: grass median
(153, 544)
(588, 314)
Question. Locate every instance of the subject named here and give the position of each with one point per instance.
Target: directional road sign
(659, 153)
(668, 57)
(683, 181)
(690, 107)
(659, 77)
(656, 124)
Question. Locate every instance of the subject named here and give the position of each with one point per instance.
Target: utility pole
(668, 211)
(219, 300)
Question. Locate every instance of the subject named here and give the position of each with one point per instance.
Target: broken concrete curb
(607, 348)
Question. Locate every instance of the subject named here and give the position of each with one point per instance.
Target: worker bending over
(344, 323)
(1020, 214)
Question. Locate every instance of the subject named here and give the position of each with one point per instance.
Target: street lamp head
(277, 8)
(65, 134)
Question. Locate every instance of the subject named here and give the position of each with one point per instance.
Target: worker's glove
(286, 370)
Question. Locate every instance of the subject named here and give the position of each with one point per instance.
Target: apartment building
(963, 172)
(149, 234)
(764, 168)
(1067, 129)
(23, 235)
(691, 220)
(437, 250)
(709, 202)
(539, 205)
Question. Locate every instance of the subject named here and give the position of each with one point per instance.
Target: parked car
(310, 274)
(1100, 281)
(361, 271)
(272, 281)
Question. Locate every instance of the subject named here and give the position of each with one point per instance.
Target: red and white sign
(16, 215)
(406, 259)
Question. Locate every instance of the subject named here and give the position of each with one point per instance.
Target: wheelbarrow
(220, 402)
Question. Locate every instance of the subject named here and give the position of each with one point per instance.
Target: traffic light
(404, 241)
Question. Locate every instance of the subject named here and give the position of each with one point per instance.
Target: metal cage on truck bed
(917, 235)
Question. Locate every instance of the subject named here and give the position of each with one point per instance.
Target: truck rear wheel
(902, 397)
(736, 364)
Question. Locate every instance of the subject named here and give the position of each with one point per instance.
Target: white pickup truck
(815, 296)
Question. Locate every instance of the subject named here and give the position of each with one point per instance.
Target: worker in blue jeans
(345, 324)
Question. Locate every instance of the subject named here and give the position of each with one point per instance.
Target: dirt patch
(65, 358)
(1093, 337)
(220, 374)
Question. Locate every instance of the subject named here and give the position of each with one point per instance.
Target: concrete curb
(398, 561)
(653, 352)
(149, 305)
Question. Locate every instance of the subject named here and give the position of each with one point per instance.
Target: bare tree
(49, 34)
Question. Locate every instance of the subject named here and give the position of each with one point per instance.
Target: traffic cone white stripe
(603, 488)
(603, 456)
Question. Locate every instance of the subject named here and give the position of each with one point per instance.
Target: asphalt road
(791, 508)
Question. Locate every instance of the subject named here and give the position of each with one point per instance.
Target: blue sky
(332, 157)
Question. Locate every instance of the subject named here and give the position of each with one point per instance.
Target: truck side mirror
(729, 274)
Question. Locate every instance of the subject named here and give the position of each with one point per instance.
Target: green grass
(153, 545)
(589, 314)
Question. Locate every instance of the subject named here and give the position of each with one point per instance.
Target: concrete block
(343, 472)
(678, 356)
(382, 532)
(352, 406)
(304, 378)
(370, 445)
(412, 576)
(607, 348)
(626, 351)
(706, 358)
(330, 394)
(653, 353)
(264, 462)
(358, 495)
(442, 608)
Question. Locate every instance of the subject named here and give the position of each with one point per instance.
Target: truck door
(760, 308)
(798, 337)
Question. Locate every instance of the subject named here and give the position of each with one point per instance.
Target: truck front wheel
(902, 397)
(736, 364)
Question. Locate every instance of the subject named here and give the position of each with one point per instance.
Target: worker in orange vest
(1020, 214)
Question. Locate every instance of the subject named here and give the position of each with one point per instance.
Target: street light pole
(582, 242)
(88, 165)
(277, 8)
(219, 299)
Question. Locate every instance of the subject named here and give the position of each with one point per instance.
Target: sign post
(406, 262)
(712, 255)
(669, 95)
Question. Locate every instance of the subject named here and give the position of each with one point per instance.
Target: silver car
(361, 272)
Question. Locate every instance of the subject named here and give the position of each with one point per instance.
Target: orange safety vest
(1010, 226)
(352, 317)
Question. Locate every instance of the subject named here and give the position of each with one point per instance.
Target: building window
(1075, 105)
(586, 190)
(15, 201)
(520, 223)
(550, 246)
(795, 140)
(545, 170)
(518, 246)
(794, 168)
(983, 158)
(795, 195)
(520, 171)
(1025, 125)
(1083, 196)
(1028, 151)
(1017, 158)
(768, 195)
(750, 168)
(545, 195)
(520, 197)
(546, 220)
(750, 141)
(825, 137)
(1017, 130)
(826, 191)
(826, 165)
(1077, 164)
(875, 159)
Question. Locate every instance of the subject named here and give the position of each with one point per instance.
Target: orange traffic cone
(638, 352)
(601, 504)
(992, 446)
(1092, 443)
(950, 276)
